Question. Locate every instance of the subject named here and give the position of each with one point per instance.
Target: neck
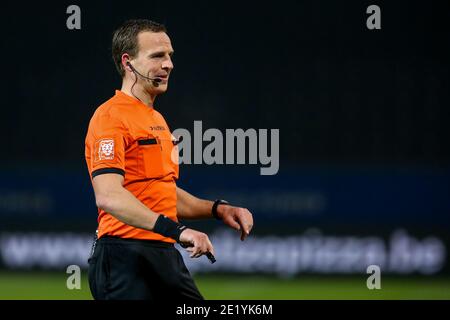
(137, 92)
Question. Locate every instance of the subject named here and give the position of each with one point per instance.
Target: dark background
(338, 92)
(363, 114)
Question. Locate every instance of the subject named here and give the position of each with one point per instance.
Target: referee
(128, 151)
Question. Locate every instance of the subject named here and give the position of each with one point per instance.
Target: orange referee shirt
(130, 138)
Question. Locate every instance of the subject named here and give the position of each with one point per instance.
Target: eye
(158, 55)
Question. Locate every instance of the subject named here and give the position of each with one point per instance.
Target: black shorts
(139, 269)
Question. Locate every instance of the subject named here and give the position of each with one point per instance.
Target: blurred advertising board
(307, 220)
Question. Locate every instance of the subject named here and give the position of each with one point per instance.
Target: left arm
(190, 207)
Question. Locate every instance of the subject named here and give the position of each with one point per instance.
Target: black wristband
(168, 228)
(214, 207)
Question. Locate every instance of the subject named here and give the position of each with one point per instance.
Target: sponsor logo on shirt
(157, 128)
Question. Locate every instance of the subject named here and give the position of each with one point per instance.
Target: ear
(125, 61)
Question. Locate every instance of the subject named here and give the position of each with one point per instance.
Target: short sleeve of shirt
(105, 146)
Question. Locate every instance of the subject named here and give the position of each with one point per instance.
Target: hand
(197, 242)
(238, 218)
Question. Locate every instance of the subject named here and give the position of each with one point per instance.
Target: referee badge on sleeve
(104, 149)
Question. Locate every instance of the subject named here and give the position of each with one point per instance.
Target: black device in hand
(209, 255)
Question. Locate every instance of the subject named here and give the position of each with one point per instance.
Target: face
(154, 60)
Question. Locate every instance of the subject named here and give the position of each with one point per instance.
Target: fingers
(235, 225)
(239, 219)
(243, 235)
(245, 220)
(200, 245)
(246, 228)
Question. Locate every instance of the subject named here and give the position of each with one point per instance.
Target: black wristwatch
(215, 205)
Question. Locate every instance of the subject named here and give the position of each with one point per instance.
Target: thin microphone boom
(155, 81)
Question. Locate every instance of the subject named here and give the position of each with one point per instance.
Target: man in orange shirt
(128, 154)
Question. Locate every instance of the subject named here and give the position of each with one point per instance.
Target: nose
(167, 64)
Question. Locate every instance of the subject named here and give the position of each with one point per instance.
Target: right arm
(112, 197)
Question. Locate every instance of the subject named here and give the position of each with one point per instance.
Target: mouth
(163, 79)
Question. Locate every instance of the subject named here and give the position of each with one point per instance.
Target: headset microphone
(155, 81)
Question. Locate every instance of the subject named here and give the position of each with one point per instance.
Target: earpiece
(129, 65)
